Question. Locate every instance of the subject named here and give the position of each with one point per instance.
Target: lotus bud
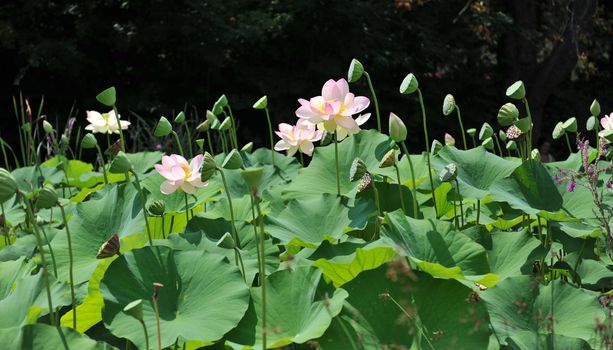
(516, 91)
(163, 128)
(595, 108)
(507, 114)
(365, 183)
(261, 103)
(208, 167)
(180, 118)
(486, 131)
(511, 145)
(210, 116)
(488, 143)
(409, 85)
(200, 143)
(157, 208)
(436, 147)
(89, 141)
(64, 139)
(221, 102)
(107, 97)
(524, 124)
(448, 173)
(389, 159)
(226, 124)
(558, 131)
(535, 154)
(570, 125)
(471, 132)
(226, 241)
(356, 70)
(398, 131)
(8, 185)
(252, 176)
(247, 148)
(502, 136)
(46, 197)
(448, 104)
(357, 170)
(449, 140)
(47, 127)
(120, 164)
(233, 160)
(591, 123)
(204, 126)
(513, 132)
(135, 309)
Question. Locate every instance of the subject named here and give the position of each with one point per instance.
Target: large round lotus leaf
(115, 209)
(435, 247)
(45, 337)
(296, 310)
(204, 296)
(477, 168)
(528, 340)
(389, 199)
(510, 253)
(10, 272)
(320, 176)
(530, 188)
(439, 309)
(313, 220)
(521, 304)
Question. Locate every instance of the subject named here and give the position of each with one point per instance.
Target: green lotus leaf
(45, 337)
(203, 297)
(510, 253)
(11, 271)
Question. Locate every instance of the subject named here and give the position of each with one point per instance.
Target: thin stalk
(414, 187)
(224, 148)
(338, 181)
(529, 140)
(6, 159)
(474, 141)
(208, 137)
(255, 235)
(50, 251)
(178, 143)
(144, 200)
(163, 228)
(272, 146)
(570, 149)
(186, 211)
(457, 185)
(106, 179)
(234, 232)
(478, 210)
(157, 320)
(404, 209)
(301, 159)
(189, 140)
(20, 122)
(242, 266)
(455, 216)
(262, 271)
(379, 213)
(374, 98)
(423, 113)
(70, 267)
(498, 144)
(461, 127)
(538, 220)
(123, 143)
(233, 136)
(419, 325)
(142, 322)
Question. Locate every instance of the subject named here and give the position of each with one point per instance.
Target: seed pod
(389, 159)
(357, 170)
(252, 176)
(120, 164)
(180, 118)
(221, 102)
(89, 141)
(163, 128)
(233, 160)
(8, 185)
(261, 103)
(157, 208)
(226, 241)
(398, 131)
(135, 309)
(409, 84)
(448, 104)
(208, 167)
(46, 197)
(47, 127)
(595, 108)
(507, 114)
(516, 91)
(356, 70)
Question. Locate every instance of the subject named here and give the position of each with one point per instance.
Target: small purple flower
(609, 184)
(158, 147)
(557, 179)
(570, 187)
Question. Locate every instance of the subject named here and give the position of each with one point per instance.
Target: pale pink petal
(167, 188)
(198, 183)
(168, 162)
(341, 133)
(196, 163)
(362, 118)
(307, 148)
(285, 128)
(177, 173)
(330, 90)
(282, 145)
(305, 112)
(188, 188)
(343, 87)
(179, 160)
(345, 122)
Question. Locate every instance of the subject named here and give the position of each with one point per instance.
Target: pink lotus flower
(607, 123)
(333, 110)
(179, 174)
(298, 138)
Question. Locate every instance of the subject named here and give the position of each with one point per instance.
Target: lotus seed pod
(226, 241)
(535, 154)
(591, 123)
(398, 131)
(221, 102)
(200, 143)
(502, 136)
(558, 131)
(208, 167)
(595, 108)
(448, 173)
(8, 185)
(64, 139)
(226, 124)
(507, 114)
(120, 164)
(252, 176)
(157, 208)
(233, 160)
(46, 197)
(449, 140)
(436, 147)
(210, 116)
(204, 126)
(261, 103)
(47, 127)
(89, 141)
(516, 91)
(511, 145)
(107, 97)
(409, 85)
(357, 170)
(356, 70)
(471, 132)
(163, 128)
(135, 309)
(365, 183)
(448, 104)
(389, 159)
(486, 131)
(513, 132)
(488, 143)
(180, 118)
(570, 125)
(524, 124)
(247, 148)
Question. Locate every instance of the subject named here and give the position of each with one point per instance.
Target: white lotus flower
(104, 123)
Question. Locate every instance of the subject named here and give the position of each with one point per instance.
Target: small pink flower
(607, 123)
(298, 138)
(449, 140)
(333, 110)
(179, 174)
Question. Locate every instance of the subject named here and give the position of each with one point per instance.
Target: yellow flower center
(187, 171)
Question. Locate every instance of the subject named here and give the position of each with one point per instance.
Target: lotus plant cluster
(475, 240)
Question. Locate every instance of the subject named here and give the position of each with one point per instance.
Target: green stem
(163, 228)
(301, 159)
(474, 141)
(539, 233)
(70, 267)
(233, 136)
(455, 216)
(338, 181)
(106, 180)
(457, 185)
(529, 139)
(142, 322)
(478, 210)
(144, 200)
(186, 211)
(255, 235)
(262, 271)
(123, 144)
(498, 144)
(208, 137)
(414, 187)
(157, 319)
(189, 140)
(423, 113)
(570, 149)
(461, 127)
(234, 232)
(404, 209)
(242, 266)
(374, 98)
(178, 143)
(417, 322)
(272, 146)
(224, 148)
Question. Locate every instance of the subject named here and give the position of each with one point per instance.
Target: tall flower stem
(255, 235)
(157, 315)
(498, 144)
(70, 267)
(234, 232)
(6, 237)
(208, 138)
(414, 187)
(478, 210)
(338, 181)
(39, 243)
(374, 98)
(301, 159)
(189, 140)
(233, 135)
(142, 322)
(570, 149)
(474, 141)
(404, 209)
(262, 270)
(457, 186)
(461, 127)
(529, 139)
(174, 133)
(50, 251)
(224, 148)
(123, 143)
(163, 228)
(106, 179)
(272, 145)
(144, 200)
(423, 113)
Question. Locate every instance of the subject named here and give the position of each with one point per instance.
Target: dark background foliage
(163, 55)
